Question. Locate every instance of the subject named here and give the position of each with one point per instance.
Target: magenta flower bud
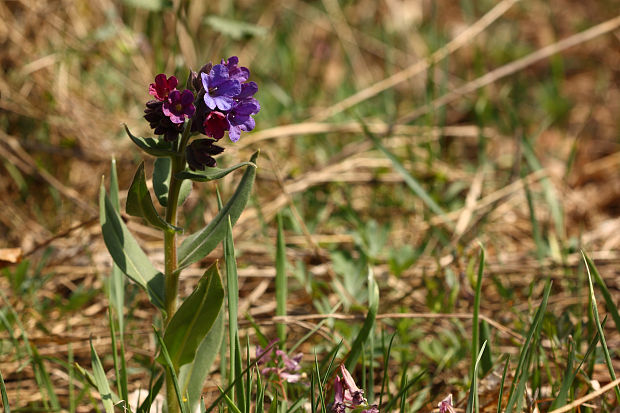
(162, 86)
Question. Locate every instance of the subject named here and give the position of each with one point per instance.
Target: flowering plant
(276, 363)
(348, 396)
(217, 99)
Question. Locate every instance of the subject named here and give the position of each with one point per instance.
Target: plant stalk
(170, 252)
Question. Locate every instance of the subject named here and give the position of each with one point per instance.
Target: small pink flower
(445, 406)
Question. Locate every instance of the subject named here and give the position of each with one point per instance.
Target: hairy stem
(170, 252)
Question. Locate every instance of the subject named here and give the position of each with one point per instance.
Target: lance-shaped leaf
(126, 252)
(140, 204)
(193, 375)
(194, 318)
(198, 245)
(161, 182)
(155, 147)
(210, 174)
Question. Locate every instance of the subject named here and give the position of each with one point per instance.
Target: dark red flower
(162, 86)
(215, 125)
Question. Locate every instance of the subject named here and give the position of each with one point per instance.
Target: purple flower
(162, 86)
(220, 88)
(445, 406)
(179, 105)
(240, 116)
(199, 154)
(215, 125)
(242, 74)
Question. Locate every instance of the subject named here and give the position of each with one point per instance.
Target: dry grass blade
(515, 66)
(462, 39)
(588, 397)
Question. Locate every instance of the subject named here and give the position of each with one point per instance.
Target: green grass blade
(232, 286)
(550, 193)
(403, 390)
(281, 283)
(472, 401)
(317, 372)
(239, 374)
(501, 386)
(568, 379)
(260, 393)
(386, 359)
(367, 327)
(541, 248)
(475, 328)
(599, 328)
(231, 404)
(101, 380)
(411, 182)
(230, 386)
(609, 301)
(5, 398)
(521, 372)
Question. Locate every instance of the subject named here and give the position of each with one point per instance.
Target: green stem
(170, 252)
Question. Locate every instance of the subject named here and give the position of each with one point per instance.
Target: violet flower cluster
(220, 99)
(348, 396)
(284, 367)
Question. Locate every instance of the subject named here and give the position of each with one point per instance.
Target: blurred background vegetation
(400, 134)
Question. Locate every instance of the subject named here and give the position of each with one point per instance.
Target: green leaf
(198, 245)
(609, 301)
(194, 318)
(281, 282)
(193, 375)
(140, 204)
(235, 28)
(599, 328)
(5, 398)
(472, 401)
(517, 388)
(164, 356)
(161, 182)
(362, 336)
(211, 174)
(155, 147)
(232, 286)
(126, 252)
(101, 380)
